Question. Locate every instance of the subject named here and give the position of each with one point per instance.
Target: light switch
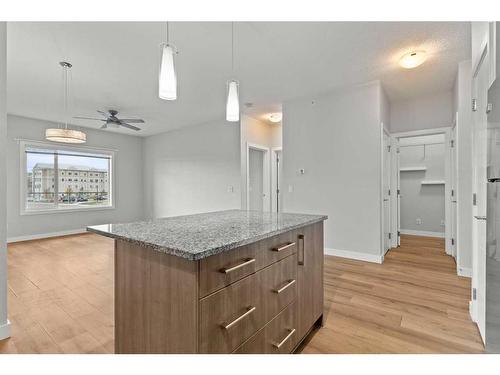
(230, 189)
(290, 188)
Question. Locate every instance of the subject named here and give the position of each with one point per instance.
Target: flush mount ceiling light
(412, 59)
(65, 135)
(168, 79)
(233, 100)
(275, 117)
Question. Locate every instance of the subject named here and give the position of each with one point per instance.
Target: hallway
(412, 303)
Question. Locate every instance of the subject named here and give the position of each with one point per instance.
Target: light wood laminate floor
(61, 300)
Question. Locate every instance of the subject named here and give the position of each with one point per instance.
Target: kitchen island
(222, 282)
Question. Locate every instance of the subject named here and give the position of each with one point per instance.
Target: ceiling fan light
(168, 78)
(233, 102)
(65, 135)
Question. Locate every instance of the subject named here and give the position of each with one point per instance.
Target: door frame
(274, 178)
(265, 175)
(385, 132)
(447, 176)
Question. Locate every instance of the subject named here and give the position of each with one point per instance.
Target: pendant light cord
(232, 47)
(65, 80)
(167, 35)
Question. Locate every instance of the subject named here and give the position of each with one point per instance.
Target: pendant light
(168, 79)
(233, 101)
(65, 135)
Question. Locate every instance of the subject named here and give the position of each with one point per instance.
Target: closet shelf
(412, 169)
(433, 182)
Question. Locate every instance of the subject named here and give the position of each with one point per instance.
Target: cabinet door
(309, 277)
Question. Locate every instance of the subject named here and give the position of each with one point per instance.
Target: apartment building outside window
(47, 186)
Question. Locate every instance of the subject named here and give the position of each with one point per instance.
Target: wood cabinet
(310, 277)
(260, 298)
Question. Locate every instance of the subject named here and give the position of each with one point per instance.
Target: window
(45, 190)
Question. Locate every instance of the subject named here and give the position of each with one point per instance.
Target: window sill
(65, 210)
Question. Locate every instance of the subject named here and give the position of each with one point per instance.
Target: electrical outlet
(419, 221)
(290, 188)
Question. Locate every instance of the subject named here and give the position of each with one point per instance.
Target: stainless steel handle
(278, 249)
(301, 260)
(480, 217)
(250, 310)
(238, 266)
(286, 286)
(280, 344)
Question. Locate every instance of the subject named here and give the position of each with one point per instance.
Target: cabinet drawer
(233, 314)
(279, 336)
(223, 269)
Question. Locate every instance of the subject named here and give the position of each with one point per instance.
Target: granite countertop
(199, 236)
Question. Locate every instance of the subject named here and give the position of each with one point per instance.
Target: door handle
(480, 217)
(385, 200)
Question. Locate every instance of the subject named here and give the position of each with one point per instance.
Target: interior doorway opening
(424, 185)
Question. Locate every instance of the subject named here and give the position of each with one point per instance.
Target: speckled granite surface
(199, 236)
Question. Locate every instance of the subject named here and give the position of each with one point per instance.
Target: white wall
(463, 102)
(256, 132)
(424, 202)
(425, 112)
(128, 178)
(192, 170)
(4, 329)
(336, 140)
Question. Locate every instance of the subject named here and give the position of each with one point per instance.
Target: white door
(398, 192)
(480, 93)
(453, 178)
(386, 191)
(256, 179)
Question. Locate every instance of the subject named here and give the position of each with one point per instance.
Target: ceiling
(115, 65)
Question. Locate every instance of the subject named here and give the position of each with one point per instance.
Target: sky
(32, 159)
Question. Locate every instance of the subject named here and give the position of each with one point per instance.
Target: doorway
(423, 197)
(258, 177)
(276, 176)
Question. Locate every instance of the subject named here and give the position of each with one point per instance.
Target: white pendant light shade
(233, 102)
(65, 135)
(168, 78)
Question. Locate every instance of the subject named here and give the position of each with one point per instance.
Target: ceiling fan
(111, 120)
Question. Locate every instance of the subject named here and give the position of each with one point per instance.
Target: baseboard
(422, 233)
(45, 235)
(472, 311)
(354, 255)
(465, 272)
(5, 330)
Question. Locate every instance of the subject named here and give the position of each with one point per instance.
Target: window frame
(23, 144)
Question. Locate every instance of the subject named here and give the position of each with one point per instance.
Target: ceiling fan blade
(133, 120)
(105, 126)
(88, 118)
(124, 124)
(105, 114)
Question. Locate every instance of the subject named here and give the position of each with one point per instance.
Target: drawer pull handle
(278, 249)
(248, 312)
(238, 266)
(301, 258)
(287, 285)
(280, 344)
